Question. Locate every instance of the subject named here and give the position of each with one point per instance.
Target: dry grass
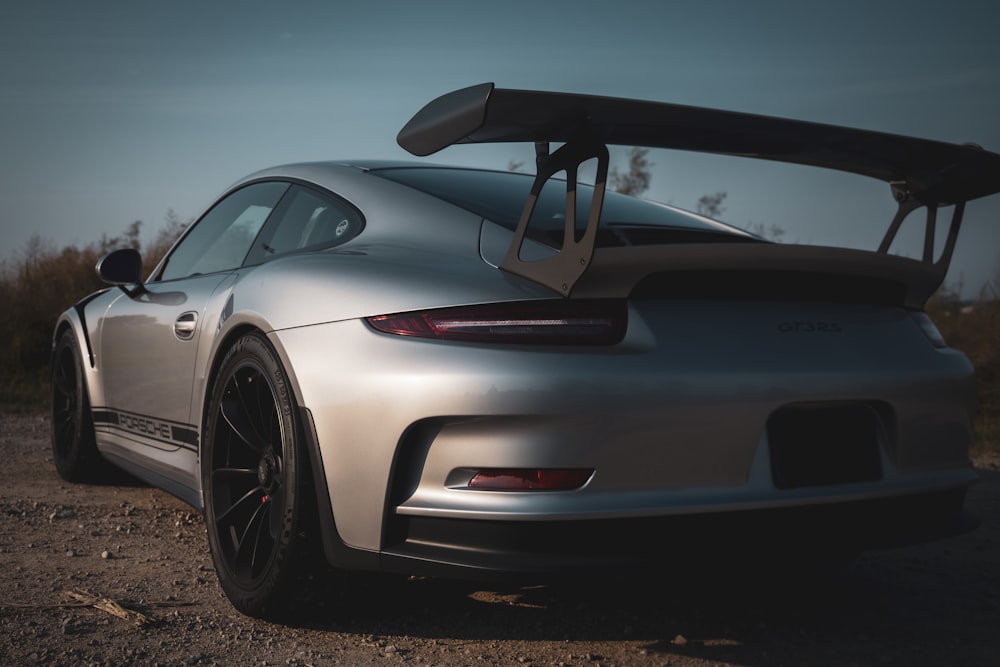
(35, 288)
(24, 393)
(974, 328)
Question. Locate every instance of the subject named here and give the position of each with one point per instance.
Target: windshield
(500, 196)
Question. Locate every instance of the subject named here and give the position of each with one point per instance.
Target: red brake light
(528, 479)
(562, 322)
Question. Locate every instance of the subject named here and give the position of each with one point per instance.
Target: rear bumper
(480, 548)
(678, 426)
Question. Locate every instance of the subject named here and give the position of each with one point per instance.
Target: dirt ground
(937, 604)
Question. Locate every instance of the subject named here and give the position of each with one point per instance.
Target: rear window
(500, 196)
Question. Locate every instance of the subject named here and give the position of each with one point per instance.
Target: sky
(112, 112)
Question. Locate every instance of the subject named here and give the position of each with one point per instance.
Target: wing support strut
(561, 270)
(907, 204)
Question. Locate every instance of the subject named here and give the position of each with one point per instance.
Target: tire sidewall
(72, 459)
(269, 591)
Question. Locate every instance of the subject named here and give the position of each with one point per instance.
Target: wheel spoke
(234, 411)
(258, 403)
(64, 429)
(263, 541)
(246, 497)
(244, 540)
(62, 383)
(233, 474)
(64, 402)
(64, 415)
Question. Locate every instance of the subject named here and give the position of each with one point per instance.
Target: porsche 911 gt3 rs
(428, 369)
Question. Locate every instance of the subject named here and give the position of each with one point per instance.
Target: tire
(255, 481)
(74, 449)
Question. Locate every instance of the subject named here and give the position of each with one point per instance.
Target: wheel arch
(221, 349)
(335, 551)
(73, 321)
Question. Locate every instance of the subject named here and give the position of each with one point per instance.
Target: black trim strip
(153, 428)
(81, 310)
(337, 553)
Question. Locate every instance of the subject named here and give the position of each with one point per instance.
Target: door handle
(185, 325)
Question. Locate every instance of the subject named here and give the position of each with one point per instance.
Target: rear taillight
(927, 326)
(562, 322)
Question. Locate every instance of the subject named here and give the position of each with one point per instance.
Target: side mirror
(121, 267)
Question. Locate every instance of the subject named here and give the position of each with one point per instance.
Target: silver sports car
(439, 370)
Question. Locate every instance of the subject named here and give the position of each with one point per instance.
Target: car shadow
(892, 601)
(112, 475)
(888, 604)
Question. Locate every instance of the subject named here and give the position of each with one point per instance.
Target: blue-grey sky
(118, 111)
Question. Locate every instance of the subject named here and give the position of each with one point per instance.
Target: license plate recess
(821, 445)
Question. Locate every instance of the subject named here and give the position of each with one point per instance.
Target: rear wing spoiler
(920, 172)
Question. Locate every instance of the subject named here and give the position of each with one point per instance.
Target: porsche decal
(178, 435)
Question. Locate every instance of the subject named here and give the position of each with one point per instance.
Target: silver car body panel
(655, 401)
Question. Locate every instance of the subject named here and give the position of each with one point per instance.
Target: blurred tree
(711, 205)
(43, 281)
(772, 233)
(636, 180)
(163, 241)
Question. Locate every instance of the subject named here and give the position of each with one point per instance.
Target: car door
(149, 336)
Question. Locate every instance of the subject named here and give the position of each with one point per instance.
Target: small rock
(679, 640)
(70, 553)
(106, 555)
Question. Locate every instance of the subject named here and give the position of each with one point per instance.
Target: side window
(222, 238)
(306, 219)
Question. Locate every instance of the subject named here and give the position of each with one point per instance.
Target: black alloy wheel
(253, 478)
(74, 449)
